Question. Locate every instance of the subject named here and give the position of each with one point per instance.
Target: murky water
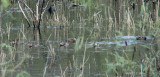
(100, 23)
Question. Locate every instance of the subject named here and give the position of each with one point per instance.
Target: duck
(30, 45)
(33, 45)
(65, 44)
(76, 5)
(95, 44)
(51, 9)
(71, 40)
(141, 38)
(14, 42)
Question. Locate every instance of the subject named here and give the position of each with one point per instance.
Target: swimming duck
(141, 38)
(71, 40)
(14, 42)
(76, 5)
(65, 44)
(95, 44)
(30, 45)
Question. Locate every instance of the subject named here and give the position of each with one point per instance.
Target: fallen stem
(24, 14)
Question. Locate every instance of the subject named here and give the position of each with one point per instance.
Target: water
(98, 23)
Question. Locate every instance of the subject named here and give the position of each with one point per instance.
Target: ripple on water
(15, 28)
(120, 41)
(132, 37)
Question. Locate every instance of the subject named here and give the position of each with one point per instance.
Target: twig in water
(24, 14)
(46, 65)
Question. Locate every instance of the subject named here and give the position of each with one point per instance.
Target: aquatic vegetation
(5, 4)
(79, 43)
(23, 74)
(112, 38)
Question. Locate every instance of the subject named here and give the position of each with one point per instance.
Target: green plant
(4, 45)
(125, 65)
(79, 43)
(23, 74)
(5, 4)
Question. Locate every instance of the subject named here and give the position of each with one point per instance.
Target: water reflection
(109, 43)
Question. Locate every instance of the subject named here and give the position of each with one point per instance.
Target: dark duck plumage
(51, 9)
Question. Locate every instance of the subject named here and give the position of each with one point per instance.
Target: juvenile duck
(95, 44)
(76, 5)
(30, 45)
(61, 43)
(65, 44)
(141, 38)
(71, 40)
(14, 42)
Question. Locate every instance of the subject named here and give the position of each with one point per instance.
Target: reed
(34, 17)
(90, 23)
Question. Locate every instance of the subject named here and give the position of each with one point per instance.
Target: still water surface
(94, 24)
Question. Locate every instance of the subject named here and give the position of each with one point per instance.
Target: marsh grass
(7, 60)
(23, 74)
(11, 60)
(79, 43)
(120, 63)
